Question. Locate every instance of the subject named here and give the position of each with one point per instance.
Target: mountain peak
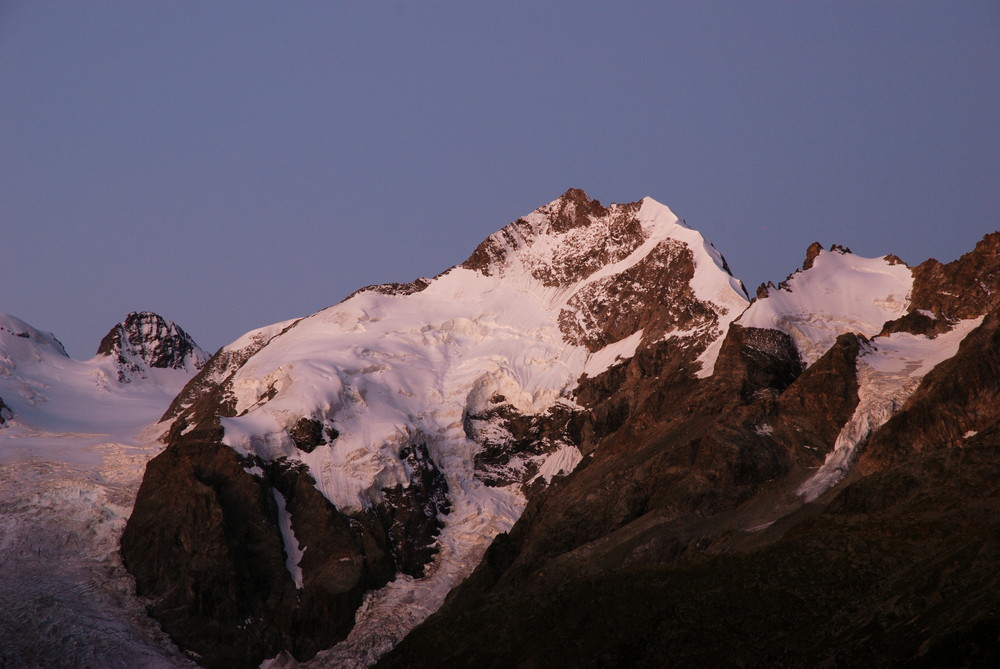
(146, 340)
(561, 242)
(654, 208)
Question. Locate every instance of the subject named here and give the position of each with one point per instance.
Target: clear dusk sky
(230, 164)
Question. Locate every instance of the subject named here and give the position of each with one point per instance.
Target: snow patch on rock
(889, 370)
(293, 550)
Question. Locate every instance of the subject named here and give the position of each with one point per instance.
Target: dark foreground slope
(912, 584)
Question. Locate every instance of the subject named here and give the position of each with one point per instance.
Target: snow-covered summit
(18, 340)
(571, 238)
(837, 292)
(564, 291)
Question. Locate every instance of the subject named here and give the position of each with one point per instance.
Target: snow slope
(72, 453)
(52, 395)
(841, 292)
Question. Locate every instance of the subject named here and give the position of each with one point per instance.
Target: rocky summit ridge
(147, 341)
(587, 421)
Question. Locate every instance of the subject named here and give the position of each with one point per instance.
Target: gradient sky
(234, 164)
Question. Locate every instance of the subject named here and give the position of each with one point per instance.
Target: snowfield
(841, 292)
(72, 455)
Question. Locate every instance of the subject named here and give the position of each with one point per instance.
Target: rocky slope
(587, 422)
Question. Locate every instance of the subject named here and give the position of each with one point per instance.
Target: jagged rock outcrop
(965, 288)
(145, 340)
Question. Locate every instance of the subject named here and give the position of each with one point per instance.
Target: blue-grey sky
(230, 164)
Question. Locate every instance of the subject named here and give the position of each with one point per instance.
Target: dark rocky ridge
(946, 293)
(647, 484)
(242, 605)
(911, 584)
(215, 568)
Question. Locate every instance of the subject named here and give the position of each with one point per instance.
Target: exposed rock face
(145, 340)
(955, 400)
(411, 514)
(965, 288)
(811, 254)
(611, 309)
(593, 237)
(216, 566)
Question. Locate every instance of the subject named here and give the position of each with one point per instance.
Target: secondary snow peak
(837, 292)
(146, 340)
(20, 340)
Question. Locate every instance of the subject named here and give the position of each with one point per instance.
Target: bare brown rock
(965, 288)
(205, 547)
(811, 253)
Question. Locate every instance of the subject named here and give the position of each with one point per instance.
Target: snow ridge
(841, 292)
